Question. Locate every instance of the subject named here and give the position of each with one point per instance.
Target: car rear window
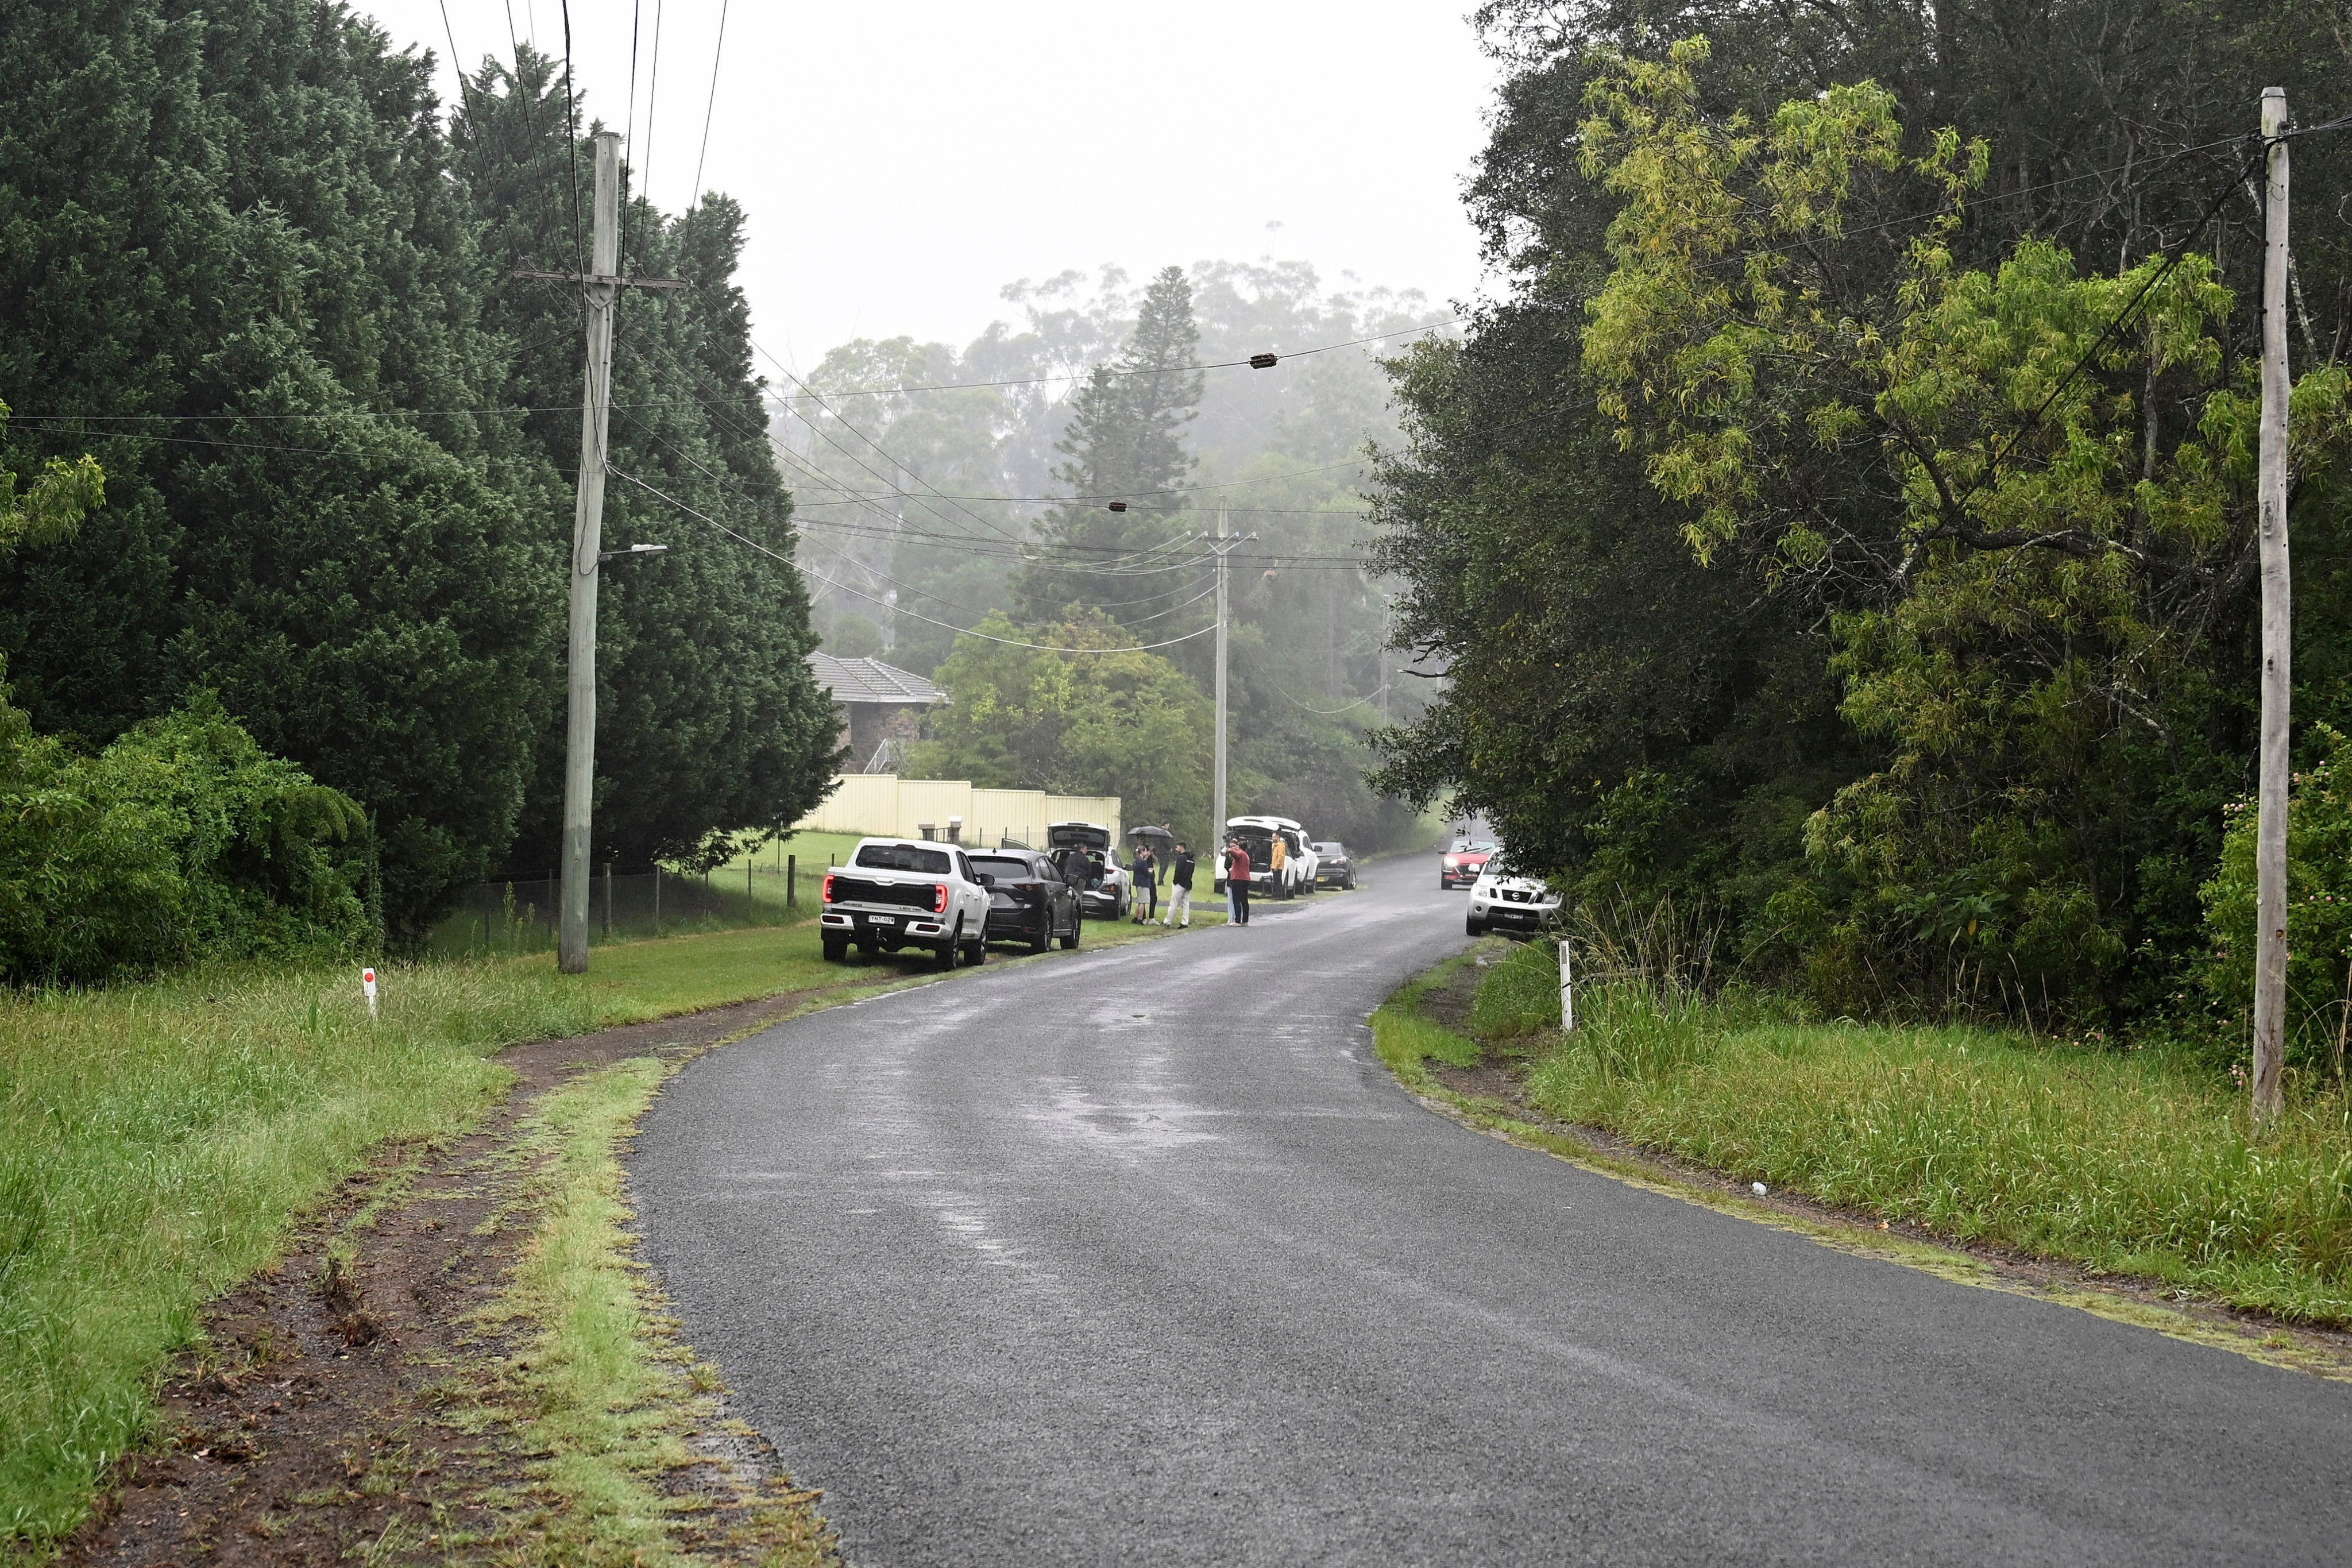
(1002, 866)
(903, 858)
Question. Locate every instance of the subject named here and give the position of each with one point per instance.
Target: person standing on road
(1179, 889)
(1237, 884)
(1147, 885)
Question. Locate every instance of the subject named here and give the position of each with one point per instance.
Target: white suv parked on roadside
(1502, 901)
(906, 893)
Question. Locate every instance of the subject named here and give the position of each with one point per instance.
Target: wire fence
(518, 915)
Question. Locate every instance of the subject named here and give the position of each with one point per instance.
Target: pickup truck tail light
(824, 895)
(938, 897)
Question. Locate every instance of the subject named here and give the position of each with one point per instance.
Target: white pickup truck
(906, 893)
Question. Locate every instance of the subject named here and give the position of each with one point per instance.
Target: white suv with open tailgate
(906, 893)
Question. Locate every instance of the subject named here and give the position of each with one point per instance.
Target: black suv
(1334, 867)
(1029, 899)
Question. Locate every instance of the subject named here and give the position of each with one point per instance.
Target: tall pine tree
(1124, 443)
(709, 721)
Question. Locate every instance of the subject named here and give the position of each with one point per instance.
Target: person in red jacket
(1237, 883)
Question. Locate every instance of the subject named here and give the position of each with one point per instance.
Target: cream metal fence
(886, 806)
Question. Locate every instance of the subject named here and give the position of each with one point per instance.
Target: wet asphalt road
(1139, 1256)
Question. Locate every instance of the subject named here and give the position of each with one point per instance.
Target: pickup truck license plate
(882, 919)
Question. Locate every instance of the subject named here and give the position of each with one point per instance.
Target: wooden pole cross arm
(608, 280)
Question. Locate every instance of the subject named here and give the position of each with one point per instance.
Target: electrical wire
(965, 631)
(905, 586)
(1025, 546)
(709, 103)
(1326, 712)
(464, 98)
(653, 93)
(1114, 370)
(572, 145)
(2180, 254)
(903, 468)
(898, 528)
(629, 134)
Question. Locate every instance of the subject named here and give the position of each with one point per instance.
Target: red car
(1464, 862)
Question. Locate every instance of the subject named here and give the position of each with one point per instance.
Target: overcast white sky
(902, 161)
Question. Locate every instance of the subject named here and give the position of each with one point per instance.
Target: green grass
(156, 1141)
(608, 1391)
(2126, 1161)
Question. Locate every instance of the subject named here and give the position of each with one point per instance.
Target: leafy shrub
(182, 840)
(2320, 911)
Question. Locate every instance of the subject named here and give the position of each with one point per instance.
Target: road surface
(1139, 1256)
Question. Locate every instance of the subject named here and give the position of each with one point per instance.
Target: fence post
(750, 896)
(658, 897)
(608, 900)
(1567, 989)
(791, 875)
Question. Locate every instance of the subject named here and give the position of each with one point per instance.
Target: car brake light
(824, 895)
(938, 897)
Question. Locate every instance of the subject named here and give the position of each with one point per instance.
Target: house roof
(871, 680)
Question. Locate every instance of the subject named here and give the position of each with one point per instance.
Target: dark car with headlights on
(1334, 867)
(1029, 899)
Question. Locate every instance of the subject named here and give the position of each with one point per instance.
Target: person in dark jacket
(1147, 885)
(1180, 890)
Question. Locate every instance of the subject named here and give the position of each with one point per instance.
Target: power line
(1327, 712)
(708, 104)
(1984, 200)
(2180, 254)
(571, 142)
(903, 468)
(1114, 370)
(653, 94)
(940, 599)
(629, 127)
(722, 419)
(963, 631)
(897, 528)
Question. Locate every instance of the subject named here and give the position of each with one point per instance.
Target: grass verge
(157, 1141)
(2117, 1163)
(608, 1390)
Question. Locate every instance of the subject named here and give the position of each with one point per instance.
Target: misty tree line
(1806, 548)
(1126, 414)
(257, 272)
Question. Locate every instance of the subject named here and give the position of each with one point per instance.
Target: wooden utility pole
(600, 288)
(1217, 793)
(1222, 545)
(2270, 830)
